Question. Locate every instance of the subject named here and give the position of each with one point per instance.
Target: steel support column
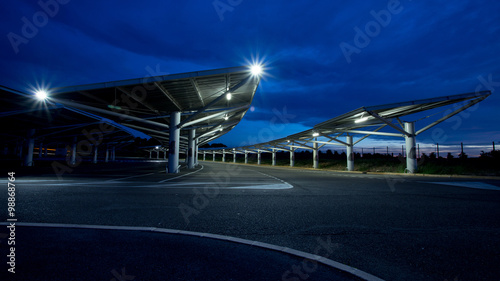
(40, 150)
(246, 157)
(191, 149)
(196, 152)
(411, 157)
(94, 159)
(350, 154)
(274, 157)
(106, 158)
(292, 157)
(223, 155)
(234, 156)
(113, 154)
(173, 151)
(28, 159)
(315, 156)
(204, 156)
(73, 152)
(259, 158)
(213, 155)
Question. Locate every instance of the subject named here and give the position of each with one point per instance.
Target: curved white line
(174, 178)
(328, 262)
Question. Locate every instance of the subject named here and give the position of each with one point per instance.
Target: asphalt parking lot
(394, 227)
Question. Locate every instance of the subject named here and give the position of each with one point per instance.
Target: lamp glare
(256, 69)
(361, 120)
(41, 95)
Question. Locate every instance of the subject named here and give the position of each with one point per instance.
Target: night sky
(322, 58)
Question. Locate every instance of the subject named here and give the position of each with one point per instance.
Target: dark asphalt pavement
(394, 227)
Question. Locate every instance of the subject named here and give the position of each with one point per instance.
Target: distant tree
(432, 155)
(206, 145)
(329, 154)
(336, 155)
(449, 156)
(424, 158)
(462, 155)
(218, 145)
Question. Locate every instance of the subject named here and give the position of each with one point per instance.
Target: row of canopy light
(255, 70)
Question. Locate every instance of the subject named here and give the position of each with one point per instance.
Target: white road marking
(136, 176)
(181, 176)
(283, 182)
(470, 184)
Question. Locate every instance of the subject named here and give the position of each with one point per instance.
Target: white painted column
(204, 156)
(106, 158)
(28, 160)
(259, 158)
(411, 156)
(234, 156)
(73, 152)
(191, 149)
(246, 157)
(350, 154)
(149, 153)
(40, 150)
(315, 155)
(223, 155)
(292, 157)
(94, 159)
(274, 157)
(196, 152)
(213, 155)
(173, 152)
(164, 154)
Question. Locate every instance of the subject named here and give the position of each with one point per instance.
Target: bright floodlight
(41, 94)
(315, 134)
(157, 147)
(361, 120)
(256, 69)
(229, 96)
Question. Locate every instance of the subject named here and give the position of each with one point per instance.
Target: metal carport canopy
(367, 121)
(145, 104)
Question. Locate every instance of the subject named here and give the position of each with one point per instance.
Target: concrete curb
(328, 262)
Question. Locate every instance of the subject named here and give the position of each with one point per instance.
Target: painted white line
(35, 181)
(470, 184)
(303, 255)
(284, 182)
(136, 176)
(181, 176)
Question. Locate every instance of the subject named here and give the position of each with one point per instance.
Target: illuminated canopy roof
(212, 102)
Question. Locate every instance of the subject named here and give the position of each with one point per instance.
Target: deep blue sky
(425, 49)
